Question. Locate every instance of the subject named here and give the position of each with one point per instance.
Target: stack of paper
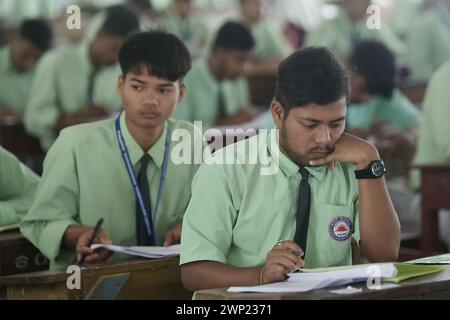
(141, 251)
(310, 279)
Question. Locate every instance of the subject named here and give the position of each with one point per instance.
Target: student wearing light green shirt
(85, 175)
(340, 34)
(218, 93)
(17, 188)
(181, 21)
(434, 136)
(17, 65)
(429, 42)
(76, 84)
(271, 44)
(243, 234)
(378, 108)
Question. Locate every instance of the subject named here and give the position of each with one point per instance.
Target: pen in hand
(91, 240)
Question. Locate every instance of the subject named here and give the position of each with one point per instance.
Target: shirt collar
(156, 152)
(287, 165)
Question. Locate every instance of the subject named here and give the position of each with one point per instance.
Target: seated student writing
(17, 65)
(218, 92)
(17, 188)
(378, 109)
(272, 46)
(76, 84)
(88, 171)
(259, 225)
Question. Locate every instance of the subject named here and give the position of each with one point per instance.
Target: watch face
(378, 169)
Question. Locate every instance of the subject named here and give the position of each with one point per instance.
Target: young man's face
(148, 100)
(233, 62)
(106, 48)
(183, 8)
(356, 9)
(310, 132)
(24, 54)
(252, 10)
(359, 92)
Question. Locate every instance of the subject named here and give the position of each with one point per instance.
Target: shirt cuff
(50, 240)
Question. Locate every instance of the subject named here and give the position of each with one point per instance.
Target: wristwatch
(375, 170)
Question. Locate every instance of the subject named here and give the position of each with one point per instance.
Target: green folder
(405, 271)
(408, 271)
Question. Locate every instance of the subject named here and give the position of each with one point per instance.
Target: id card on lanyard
(133, 179)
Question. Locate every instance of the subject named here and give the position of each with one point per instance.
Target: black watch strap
(375, 170)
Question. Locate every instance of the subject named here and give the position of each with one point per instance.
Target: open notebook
(310, 279)
(141, 251)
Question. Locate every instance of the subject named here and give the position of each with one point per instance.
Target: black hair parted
(119, 21)
(163, 54)
(311, 75)
(38, 32)
(234, 36)
(376, 63)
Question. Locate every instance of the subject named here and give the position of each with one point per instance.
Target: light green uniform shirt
(15, 12)
(85, 179)
(403, 14)
(270, 42)
(14, 85)
(17, 187)
(200, 102)
(247, 213)
(429, 45)
(60, 86)
(434, 138)
(337, 35)
(192, 31)
(397, 111)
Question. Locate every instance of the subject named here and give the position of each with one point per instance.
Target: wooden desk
(18, 255)
(15, 139)
(435, 195)
(435, 189)
(130, 279)
(435, 286)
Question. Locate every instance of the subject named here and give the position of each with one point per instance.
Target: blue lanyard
(132, 175)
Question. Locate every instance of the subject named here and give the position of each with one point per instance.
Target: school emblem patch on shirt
(340, 228)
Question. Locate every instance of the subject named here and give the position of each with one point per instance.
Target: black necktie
(142, 235)
(303, 208)
(90, 88)
(221, 108)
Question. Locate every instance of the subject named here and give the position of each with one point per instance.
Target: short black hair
(235, 36)
(312, 75)
(164, 55)
(119, 21)
(375, 62)
(38, 32)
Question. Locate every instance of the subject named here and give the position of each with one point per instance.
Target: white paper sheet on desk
(142, 251)
(331, 277)
(354, 273)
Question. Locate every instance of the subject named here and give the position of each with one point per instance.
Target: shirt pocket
(335, 231)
